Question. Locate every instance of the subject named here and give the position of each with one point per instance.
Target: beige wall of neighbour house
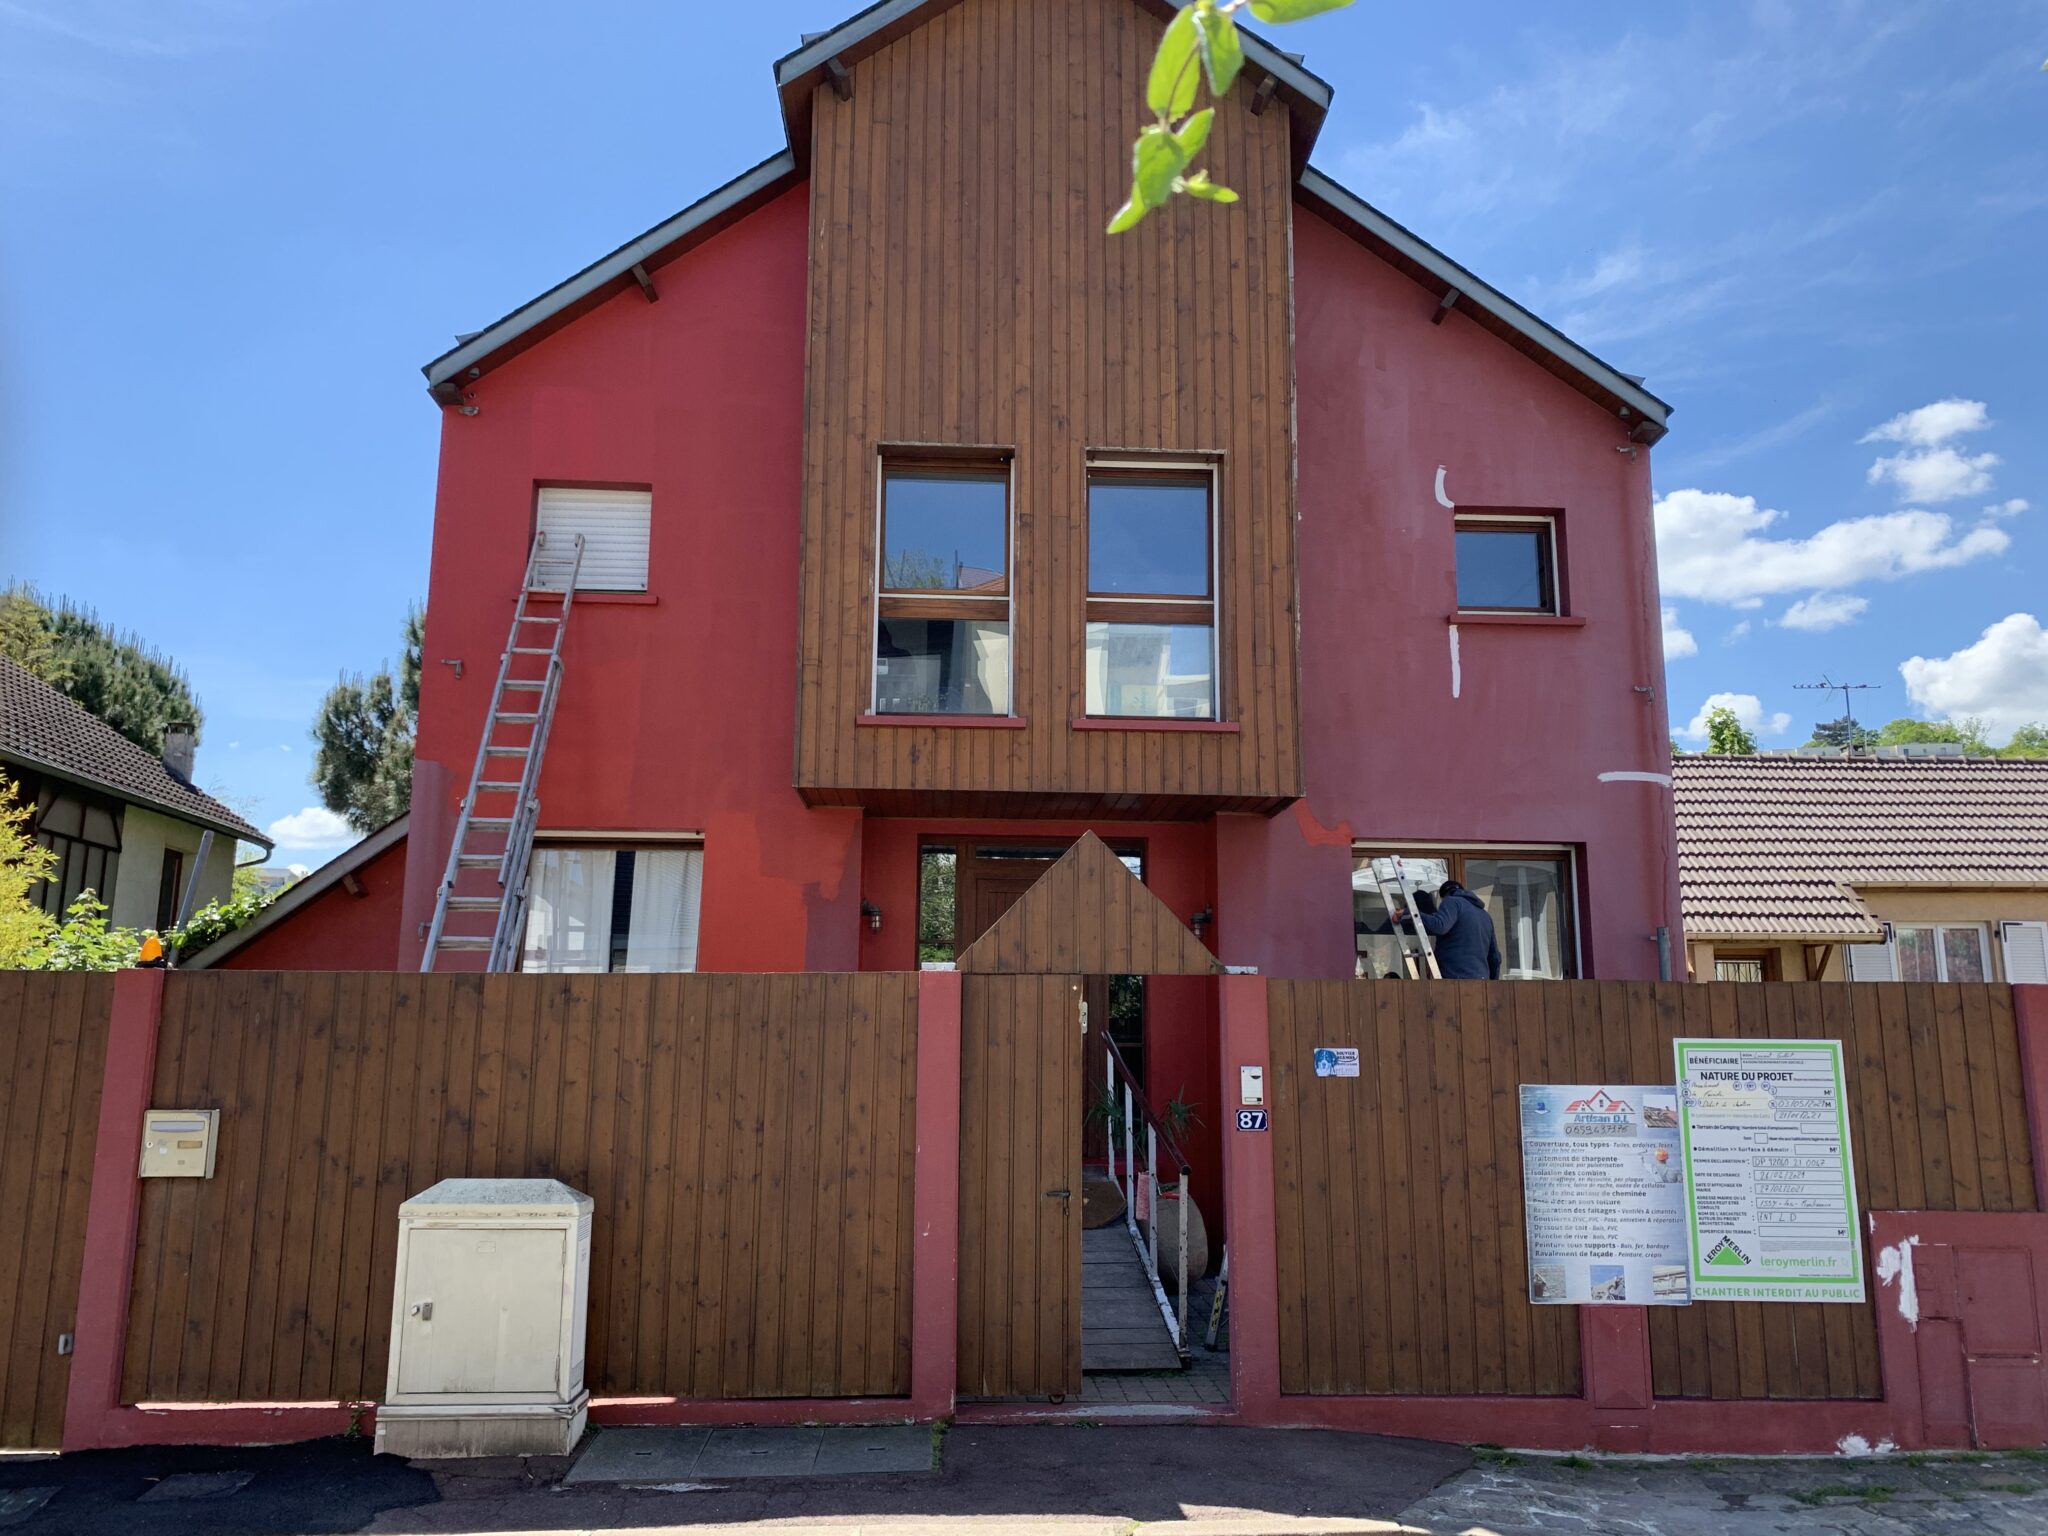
(1898, 904)
(145, 834)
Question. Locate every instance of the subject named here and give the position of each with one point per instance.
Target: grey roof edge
(821, 46)
(242, 831)
(1320, 187)
(325, 878)
(608, 269)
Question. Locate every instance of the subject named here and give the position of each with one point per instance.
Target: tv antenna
(1844, 689)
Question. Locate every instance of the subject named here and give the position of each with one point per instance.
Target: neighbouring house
(125, 823)
(1889, 867)
(341, 916)
(925, 527)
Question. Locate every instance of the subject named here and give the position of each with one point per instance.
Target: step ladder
(1398, 892)
(481, 906)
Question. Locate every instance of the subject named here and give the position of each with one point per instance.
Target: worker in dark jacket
(1461, 932)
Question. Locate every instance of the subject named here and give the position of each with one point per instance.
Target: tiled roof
(1773, 845)
(40, 728)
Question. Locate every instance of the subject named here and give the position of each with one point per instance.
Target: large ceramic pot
(1170, 1207)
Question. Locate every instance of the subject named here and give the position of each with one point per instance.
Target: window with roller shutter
(2025, 948)
(615, 527)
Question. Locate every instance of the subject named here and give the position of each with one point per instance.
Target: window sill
(1529, 620)
(1155, 723)
(969, 722)
(619, 599)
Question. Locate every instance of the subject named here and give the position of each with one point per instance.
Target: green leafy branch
(1201, 41)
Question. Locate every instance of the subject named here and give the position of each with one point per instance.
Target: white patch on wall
(1896, 1263)
(1635, 776)
(1443, 497)
(1457, 674)
(1856, 1445)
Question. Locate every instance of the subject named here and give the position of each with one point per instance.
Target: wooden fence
(1402, 1261)
(748, 1140)
(53, 1044)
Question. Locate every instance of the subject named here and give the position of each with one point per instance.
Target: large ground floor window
(1527, 892)
(613, 909)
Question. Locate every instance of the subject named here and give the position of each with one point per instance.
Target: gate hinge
(1084, 1015)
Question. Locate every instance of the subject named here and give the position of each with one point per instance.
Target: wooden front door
(1020, 1186)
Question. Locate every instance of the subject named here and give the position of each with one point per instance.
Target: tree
(363, 739)
(24, 864)
(1967, 733)
(1725, 735)
(2028, 741)
(1843, 735)
(1201, 41)
(28, 635)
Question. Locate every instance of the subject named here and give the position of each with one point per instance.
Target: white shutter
(614, 526)
(1872, 962)
(2026, 952)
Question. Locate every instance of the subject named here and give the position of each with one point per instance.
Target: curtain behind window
(569, 910)
(668, 889)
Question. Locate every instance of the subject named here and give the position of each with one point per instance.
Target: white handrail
(1146, 1241)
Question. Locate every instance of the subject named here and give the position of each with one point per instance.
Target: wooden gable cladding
(963, 293)
(1089, 916)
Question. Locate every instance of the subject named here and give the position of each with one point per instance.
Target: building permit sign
(1602, 1195)
(1770, 1186)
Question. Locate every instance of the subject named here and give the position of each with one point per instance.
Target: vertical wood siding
(748, 1141)
(1402, 1260)
(1020, 1139)
(53, 1050)
(963, 292)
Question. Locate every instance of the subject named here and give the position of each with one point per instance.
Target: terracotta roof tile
(40, 728)
(1772, 844)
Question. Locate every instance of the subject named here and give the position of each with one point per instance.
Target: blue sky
(231, 231)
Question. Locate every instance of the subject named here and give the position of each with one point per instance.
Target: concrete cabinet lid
(497, 1199)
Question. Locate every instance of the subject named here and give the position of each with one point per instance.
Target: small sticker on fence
(1251, 1119)
(1336, 1061)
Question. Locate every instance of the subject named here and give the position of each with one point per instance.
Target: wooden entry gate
(1020, 1186)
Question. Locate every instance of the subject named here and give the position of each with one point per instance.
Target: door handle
(1059, 1194)
(423, 1310)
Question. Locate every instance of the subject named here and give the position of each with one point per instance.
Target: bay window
(612, 909)
(942, 601)
(1151, 626)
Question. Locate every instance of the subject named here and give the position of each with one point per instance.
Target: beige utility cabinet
(487, 1321)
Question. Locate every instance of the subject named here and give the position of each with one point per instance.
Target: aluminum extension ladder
(485, 885)
(1391, 875)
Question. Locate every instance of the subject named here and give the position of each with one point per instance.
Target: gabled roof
(43, 730)
(1088, 915)
(1780, 846)
(325, 878)
(799, 74)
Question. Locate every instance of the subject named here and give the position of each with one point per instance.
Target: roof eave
(241, 831)
(798, 74)
(325, 878)
(505, 338)
(1645, 414)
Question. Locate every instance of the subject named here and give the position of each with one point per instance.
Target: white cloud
(1677, 642)
(1749, 709)
(2005, 509)
(314, 827)
(1939, 474)
(1824, 610)
(1931, 469)
(1736, 633)
(1708, 547)
(2002, 678)
(1932, 425)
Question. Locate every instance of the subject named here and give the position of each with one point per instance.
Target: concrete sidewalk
(1070, 1480)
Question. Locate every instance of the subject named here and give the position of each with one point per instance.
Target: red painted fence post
(110, 1217)
(1248, 1206)
(2030, 1015)
(935, 1199)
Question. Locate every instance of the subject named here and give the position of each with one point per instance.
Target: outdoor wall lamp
(1202, 919)
(873, 914)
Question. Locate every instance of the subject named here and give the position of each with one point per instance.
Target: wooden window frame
(1519, 522)
(1455, 858)
(927, 603)
(1171, 608)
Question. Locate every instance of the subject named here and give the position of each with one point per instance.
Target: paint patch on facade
(1443, 497)
(1896, 1263)
(1635, 776)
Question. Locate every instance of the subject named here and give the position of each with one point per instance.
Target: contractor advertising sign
(1602, 1195)
(1770, 1187)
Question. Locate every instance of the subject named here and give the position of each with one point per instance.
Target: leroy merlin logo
(1725, 1252)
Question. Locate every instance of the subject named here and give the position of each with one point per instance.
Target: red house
(924, 526)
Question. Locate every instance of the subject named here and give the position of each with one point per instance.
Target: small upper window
(614, 525)
(1507, 565)
(1151, 594)
(942, 625)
